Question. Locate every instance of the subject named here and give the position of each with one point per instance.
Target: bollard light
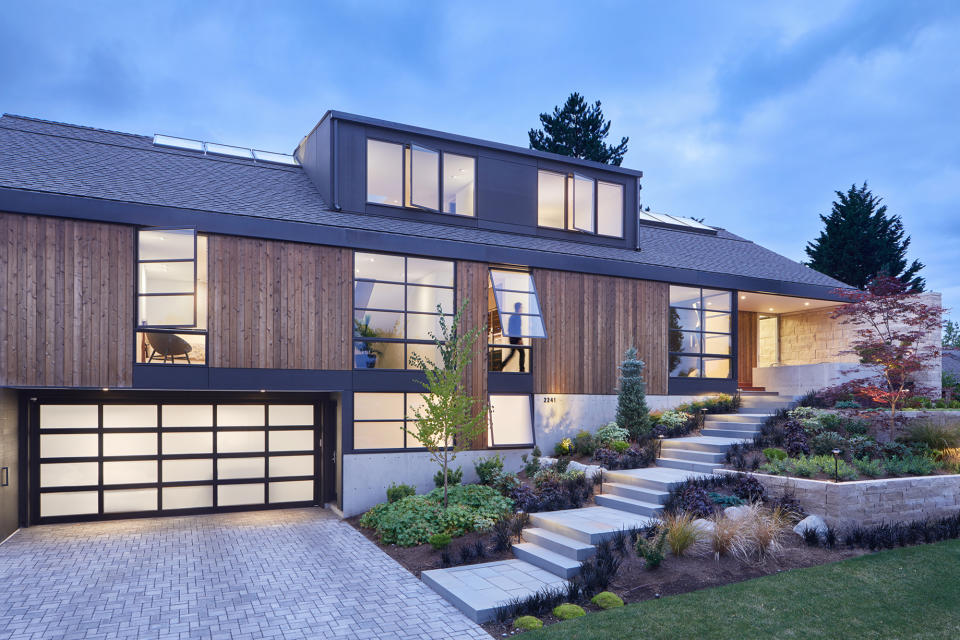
(836, 465)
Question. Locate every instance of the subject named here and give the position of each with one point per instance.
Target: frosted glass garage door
(136, 458)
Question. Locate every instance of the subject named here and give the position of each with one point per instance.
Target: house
(190, 327)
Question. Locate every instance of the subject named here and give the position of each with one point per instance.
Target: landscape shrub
(584, 443)
(949, 460)
(759, 533)
(489, 469)
(887, 536)
(439, 541)
(671, 420)
(611, 432)
(607, 600)
(788, 505)
(682, 534)
(795, 438)
(867, 467)
(502, 535)
(633, 458)
(863, 447)
(532, 464)
(934, 437)
(569, 611)
(619, 445)
(527, 623)
(749, 488)
(825, 442)
(598, 572)
(696, 501)
(399, 491)
(553, 491)
(773, 453)
(724, 501)
(807, 467)
(846, 404)
(651, 550)
(857, 427)
(910, 465)
(563, 448)
(724, 534)
(454, 476)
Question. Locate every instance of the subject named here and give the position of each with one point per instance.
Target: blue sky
(747, 114)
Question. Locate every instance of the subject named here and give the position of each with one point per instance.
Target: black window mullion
(99, 459)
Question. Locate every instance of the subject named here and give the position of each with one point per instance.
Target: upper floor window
(418, 177)
(171, 296)
(700, 332)
(579, 203)
(514, 318)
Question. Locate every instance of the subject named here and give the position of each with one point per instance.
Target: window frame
(701, 332)
(491, 444)
(140, 295)
(569, 203)
(534, 293)
(403, 422)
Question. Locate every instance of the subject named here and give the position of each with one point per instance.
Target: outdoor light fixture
(659, 444)
(836, 465)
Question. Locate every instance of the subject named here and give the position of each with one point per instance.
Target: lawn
(905, 593)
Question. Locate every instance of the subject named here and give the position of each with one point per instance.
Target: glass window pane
(68, 416)
(425, 187)
(166, 277)
(378, 406)
(551, 194)
(68, 474)
(240, 415)
(378, 355)
(429, 352)
(519, 326)
(236, 494)
(512, 280)
(285, 466)
(685, 341)
(290, 415)
(420, 326)
(119, 416)
(378, 435)
(240, 441)
(127, 500)
(68, 503)
(716, 343)
(716, 367)
(428, 298)
(187, 470)
(167, 311)
(187, 415)
(187, 442)
(684, 297)
(517, 302)
(69, 445)
(510, 420)
(459, 178)
(377, 295)
(187, 497)
(294, 491)
(301, 440)
(378, 324)
(384, 173)
(684, 319)
(716, 300)
(582, 203)
(167, 244)
(610, 209)
(717, 322)
(435, 272)
(171, 348)
(684, 366)
(129, 472)
(237, 468)
(377, 266)
(129, 444)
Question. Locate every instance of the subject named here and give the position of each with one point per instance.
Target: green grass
(904, 593)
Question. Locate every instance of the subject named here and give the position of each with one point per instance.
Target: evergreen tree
(578, 130)
(860, 242)
(951, 335)
(632, 412)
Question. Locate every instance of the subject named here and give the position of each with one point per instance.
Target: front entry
(118, 458)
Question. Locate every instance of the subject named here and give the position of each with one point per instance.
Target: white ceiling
(769, 303)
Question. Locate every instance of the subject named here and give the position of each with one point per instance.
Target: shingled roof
(50, 157)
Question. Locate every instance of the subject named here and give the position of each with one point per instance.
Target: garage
(110, 459)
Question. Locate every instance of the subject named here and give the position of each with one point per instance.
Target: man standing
(514, 330)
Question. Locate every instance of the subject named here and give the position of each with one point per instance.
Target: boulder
(736, 513)
(705, 527)
(811, 522)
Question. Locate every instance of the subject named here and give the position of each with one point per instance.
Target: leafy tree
(632, 412)
(449, 419)
(891, 329)
(951, 335)
(579, 130)
(860, 241)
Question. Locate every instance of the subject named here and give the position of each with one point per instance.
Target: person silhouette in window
(514, 329)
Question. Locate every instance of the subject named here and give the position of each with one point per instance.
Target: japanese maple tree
(892, 329)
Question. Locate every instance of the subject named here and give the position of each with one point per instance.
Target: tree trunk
(444, 481)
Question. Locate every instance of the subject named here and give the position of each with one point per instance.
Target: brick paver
(297, 573)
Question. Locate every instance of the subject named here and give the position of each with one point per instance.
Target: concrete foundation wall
(871, 502)
(9, 454)
(366, 476)
(798, 379)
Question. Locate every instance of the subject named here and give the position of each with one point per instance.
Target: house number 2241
(549, 399)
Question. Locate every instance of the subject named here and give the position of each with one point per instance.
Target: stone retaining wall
(870, 502)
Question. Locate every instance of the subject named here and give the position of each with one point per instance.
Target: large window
(395, 300)
(414, 176)
(579, 203)
(381, 420)
(700, 333)
(511, 423)
(171, 296)
(513, 319)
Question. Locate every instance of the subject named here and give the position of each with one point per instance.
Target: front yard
(912, 592)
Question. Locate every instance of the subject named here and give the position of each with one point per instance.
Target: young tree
(632, 412)
(860, 241)
(449, 419)
(951, 335)
(579, 130)
(892, 327)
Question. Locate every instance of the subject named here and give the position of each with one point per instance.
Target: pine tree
(860, 241)
(632, 412)
(578, 130)
(951, 335)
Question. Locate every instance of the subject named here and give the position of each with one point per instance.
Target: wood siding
(279, 305)
(66, 288)
(746, 347)
(472, 283)
(590, 321)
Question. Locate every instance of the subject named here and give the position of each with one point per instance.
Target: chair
(167, 345)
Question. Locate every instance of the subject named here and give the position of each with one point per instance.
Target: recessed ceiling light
(806, 304)
(771, 308)
(743, 297)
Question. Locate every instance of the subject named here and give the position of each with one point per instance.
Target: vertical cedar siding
(278, 305)
(590, 321)
(472, 281)
(747, 345)
(66, 288)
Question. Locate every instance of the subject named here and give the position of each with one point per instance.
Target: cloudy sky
(747, 114)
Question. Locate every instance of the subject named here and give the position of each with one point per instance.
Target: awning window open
(517, 304)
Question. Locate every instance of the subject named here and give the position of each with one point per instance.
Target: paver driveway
(298, 573)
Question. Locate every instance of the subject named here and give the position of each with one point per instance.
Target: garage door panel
(290, 415)
(284, 466)
(129, 416)
(129, 444)
(187, 470)
(237, 468)
(197, 497)
(69, 474)
(129, 500)
(68, 503)
(301, 440)
(241, 415)
(69, 416)
(69, 445)
(187, 415)
(229, 495)
(187, 442)
(240, 441)
(293, 491)
(130, 472)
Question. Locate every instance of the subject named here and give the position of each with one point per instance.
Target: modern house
(190, 327)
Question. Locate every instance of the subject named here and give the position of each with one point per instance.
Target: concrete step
(763, 403)
(700, 443)
(737, 417)
(635, 493)
(588, 524)
(755, 393)
(689, 454)
(729, 433)
(565, 546)
(638, 507)
(544, 558)
(703, 467)
(655, 478)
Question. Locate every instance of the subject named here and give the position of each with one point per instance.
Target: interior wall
(9, 503)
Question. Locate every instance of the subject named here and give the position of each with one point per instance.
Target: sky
(748, 114)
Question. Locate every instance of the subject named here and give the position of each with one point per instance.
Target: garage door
(111, 460)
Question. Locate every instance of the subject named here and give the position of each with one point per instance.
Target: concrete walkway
(297, 573)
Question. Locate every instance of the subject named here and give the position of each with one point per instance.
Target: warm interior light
(743, 297)
(771, 309)
(806, 304)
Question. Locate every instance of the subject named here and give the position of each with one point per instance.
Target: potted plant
(366, 357)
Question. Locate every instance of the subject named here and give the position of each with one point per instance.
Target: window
(511, 424)
(395, 301)
(700, 333)
(513, 319)
(380, 420)
(579, 203)
(171, 296)
(417, 177)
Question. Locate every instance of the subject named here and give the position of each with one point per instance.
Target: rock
(547, 462)
(736, 513)
(705, 527)
(811, 522)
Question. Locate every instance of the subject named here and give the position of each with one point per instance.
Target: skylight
(214, 148)
(673, 221)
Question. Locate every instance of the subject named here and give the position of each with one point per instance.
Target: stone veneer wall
(871, 502)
